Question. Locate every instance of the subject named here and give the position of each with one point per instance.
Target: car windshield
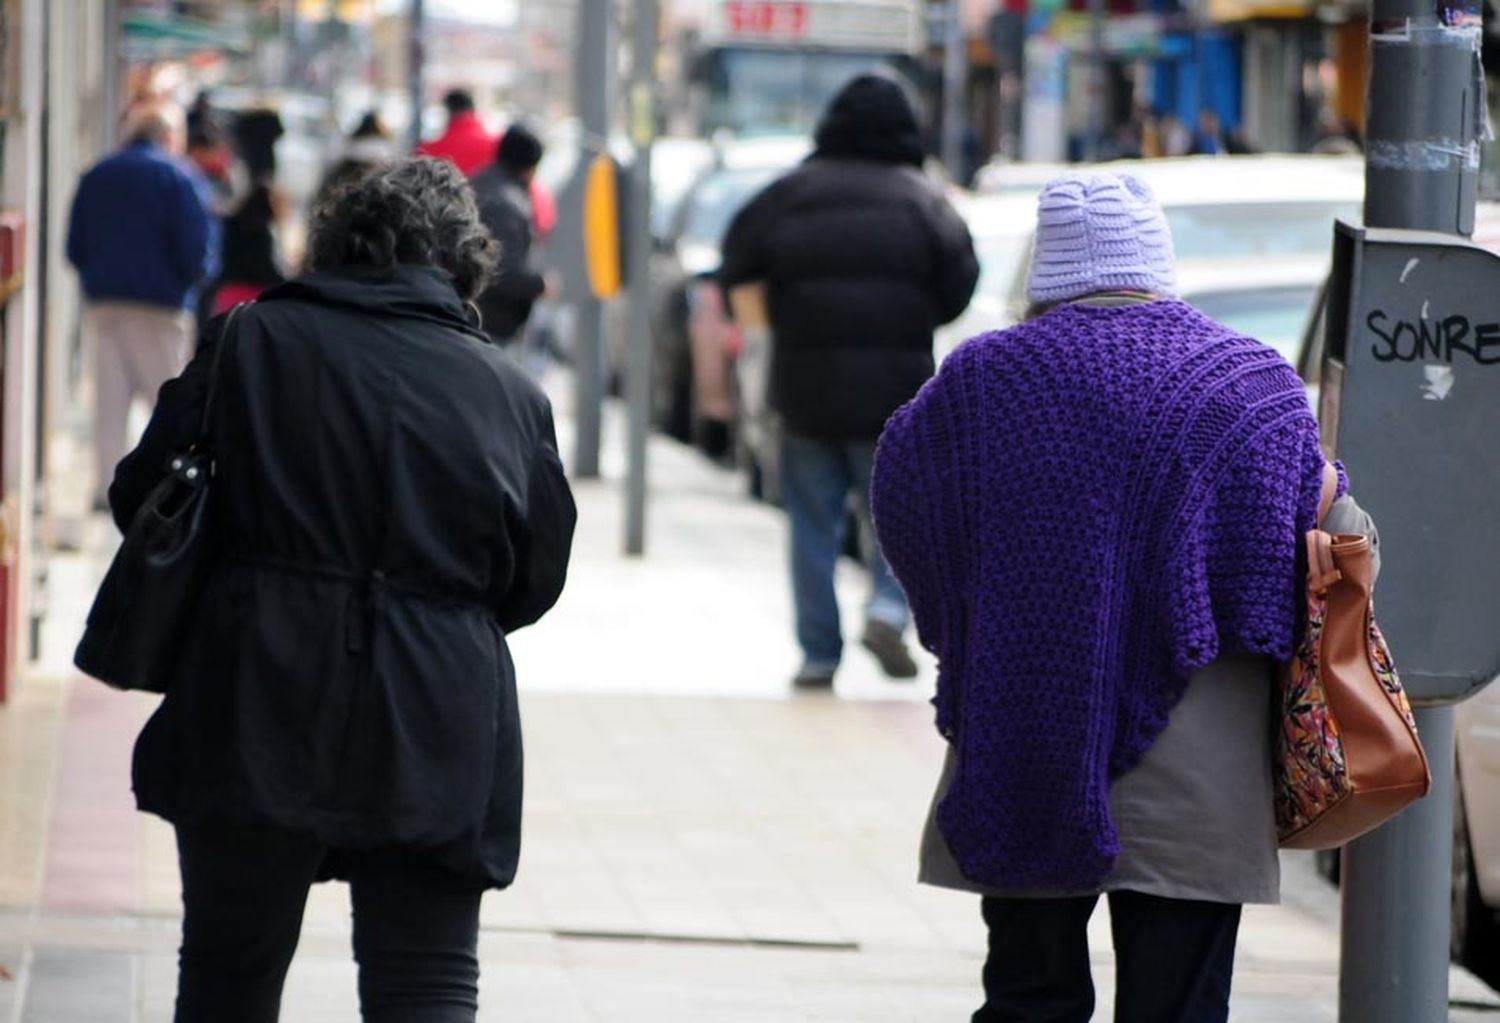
(715, 202)
(674, 168)
(1229, 230)
(1273, 315)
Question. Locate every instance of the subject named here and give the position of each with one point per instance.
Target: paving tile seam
(143, 931)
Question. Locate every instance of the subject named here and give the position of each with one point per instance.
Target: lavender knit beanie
(1099, 231)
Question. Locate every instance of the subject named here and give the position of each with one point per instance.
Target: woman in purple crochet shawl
(1096, 517)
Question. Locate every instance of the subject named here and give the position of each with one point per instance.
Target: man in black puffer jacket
(862, 259)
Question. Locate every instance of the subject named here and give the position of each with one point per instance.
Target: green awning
(147, 37)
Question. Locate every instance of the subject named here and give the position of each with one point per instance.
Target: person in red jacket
(466, 141)
(471, 148)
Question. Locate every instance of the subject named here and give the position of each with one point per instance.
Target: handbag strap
(1322, 572)
(226, 336)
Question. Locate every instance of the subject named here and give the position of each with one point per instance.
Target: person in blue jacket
(143, 239)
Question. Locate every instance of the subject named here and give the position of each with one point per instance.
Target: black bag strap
(226, 337)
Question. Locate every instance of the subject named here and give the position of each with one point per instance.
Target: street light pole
(415, 55)
(954, 74)
(592, 67)
(1096, 119)
(1425, 111)
(642, 114)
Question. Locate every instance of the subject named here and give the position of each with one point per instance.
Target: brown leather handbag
(1347, 753)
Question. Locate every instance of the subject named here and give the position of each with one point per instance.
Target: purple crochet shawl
(1084, 510)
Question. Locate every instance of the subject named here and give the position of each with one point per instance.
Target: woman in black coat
(390, 506)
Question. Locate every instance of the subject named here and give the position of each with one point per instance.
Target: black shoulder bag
(144, 606)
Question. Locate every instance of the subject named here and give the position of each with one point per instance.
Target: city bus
(769, 67)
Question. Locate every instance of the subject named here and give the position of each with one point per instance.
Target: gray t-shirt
(1195, 817)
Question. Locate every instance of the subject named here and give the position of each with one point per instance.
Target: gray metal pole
(1094, 147)
(114, 107)
(415, 56)
(1421, 172)
(955, 71)
(1425, 108)
(1394, 965)
(592, 68)
(638, 372)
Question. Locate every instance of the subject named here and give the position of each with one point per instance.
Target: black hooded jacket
(505, 206)
(389, 506)
(862, 260)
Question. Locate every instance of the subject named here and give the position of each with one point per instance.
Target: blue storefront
(1204, 71)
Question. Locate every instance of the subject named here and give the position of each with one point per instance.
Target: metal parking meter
(1410, 403)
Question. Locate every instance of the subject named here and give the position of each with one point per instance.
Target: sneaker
(812, 677)
(884, 641)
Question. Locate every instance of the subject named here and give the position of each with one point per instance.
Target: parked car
(1252, 237)
(1001, 226)
(696, 341)
(1476, 836)
(1005, 177)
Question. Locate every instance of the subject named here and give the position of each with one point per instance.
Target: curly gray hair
(419, 211)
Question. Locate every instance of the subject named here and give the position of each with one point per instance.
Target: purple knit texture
(1084, 510)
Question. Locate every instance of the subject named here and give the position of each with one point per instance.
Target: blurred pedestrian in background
(1097, 516)
(209, 152)
(251, 254)
(143, 240)
(502, 191)
(390, 506)
(256, 132)
(466, 142)
(1335, 136)
(370, 145)
(861, 260)
(1176, 140)
(1208, 136)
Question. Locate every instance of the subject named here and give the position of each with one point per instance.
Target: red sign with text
(766, 19)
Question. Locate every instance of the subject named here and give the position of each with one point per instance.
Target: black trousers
(416, 929)
(1174, 959)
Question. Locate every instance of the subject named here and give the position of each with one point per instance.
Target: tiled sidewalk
(700, 846)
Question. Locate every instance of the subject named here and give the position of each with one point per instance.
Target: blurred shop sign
(1246, 10)
(874, 25)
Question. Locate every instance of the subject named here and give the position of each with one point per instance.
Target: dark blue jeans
(818, 480)
(416, 929)
(1173, 959)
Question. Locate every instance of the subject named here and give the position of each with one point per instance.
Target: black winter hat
(520, 149)
(872, 118)
(458, 101)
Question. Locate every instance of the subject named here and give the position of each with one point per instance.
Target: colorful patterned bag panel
(1309, 769)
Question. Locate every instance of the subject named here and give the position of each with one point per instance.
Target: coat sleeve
(79, 219)
(544, 539)
(195, 234)
(914, 528)
(515, 282)
(174, 426)
(956, 267)
(743, 253)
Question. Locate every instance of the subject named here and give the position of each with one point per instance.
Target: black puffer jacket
(862, 259)
(390, 506)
